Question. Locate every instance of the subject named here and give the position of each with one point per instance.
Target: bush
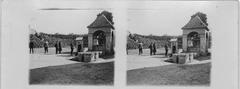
(160, 41)
(39, 39)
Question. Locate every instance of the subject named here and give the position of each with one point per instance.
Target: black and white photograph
(71, 46)
(170, 44)
(119, 44)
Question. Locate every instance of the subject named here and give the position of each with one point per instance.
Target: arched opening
(99, 41)
(193, 42)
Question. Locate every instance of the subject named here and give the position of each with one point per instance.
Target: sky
(74, 17)
(143, 17)
(166, 18)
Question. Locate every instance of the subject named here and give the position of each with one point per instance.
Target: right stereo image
(170, 45)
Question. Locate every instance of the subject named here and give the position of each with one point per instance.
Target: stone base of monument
(182, 58)
(88, 56)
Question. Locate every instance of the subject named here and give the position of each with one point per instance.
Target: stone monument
(101, 34)
(195, 36)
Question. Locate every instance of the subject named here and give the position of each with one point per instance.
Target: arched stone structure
(99, 40)
(193, 42)
(101, 34)
(197, 32)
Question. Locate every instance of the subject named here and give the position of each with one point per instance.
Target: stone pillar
(203, 42)
(184, 43)
(90, 41)
(176, 44)
(207, 40)
(108, 42)
(113, 40)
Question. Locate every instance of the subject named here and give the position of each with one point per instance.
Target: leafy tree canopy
(108, 15)
(202, 16)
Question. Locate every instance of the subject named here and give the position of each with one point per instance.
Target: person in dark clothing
(56, 46)
(140, 47)
(60, 47)
(154, 49)
(79, 48)
(173, 49)
(166, 50)
(72, 48)
(151, 48)
(45, 47)
(31, 46)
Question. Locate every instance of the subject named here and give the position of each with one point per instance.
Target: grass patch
(79, 73)
(198, 75)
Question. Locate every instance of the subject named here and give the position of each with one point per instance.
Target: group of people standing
(45, 46)
(58, 47)
(153, 48)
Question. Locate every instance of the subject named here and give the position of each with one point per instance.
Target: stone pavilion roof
(195, 23)
(101, 21)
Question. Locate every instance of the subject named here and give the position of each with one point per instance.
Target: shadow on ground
(169, 60)
(75, 59)
(78, 73)
(107, 57)
(202, 58)
(69, 55)
(159, 57)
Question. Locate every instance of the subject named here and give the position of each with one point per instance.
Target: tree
(202, 16)
(108, 15)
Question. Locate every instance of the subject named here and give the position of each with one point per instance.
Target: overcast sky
(166, 17)
(143, 17)
(72, 16)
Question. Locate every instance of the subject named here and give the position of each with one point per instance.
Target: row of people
(153, 49)
(58, 47)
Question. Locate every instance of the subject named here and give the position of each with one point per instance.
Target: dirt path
(39, 59)
(42, 60)
(135, 61)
